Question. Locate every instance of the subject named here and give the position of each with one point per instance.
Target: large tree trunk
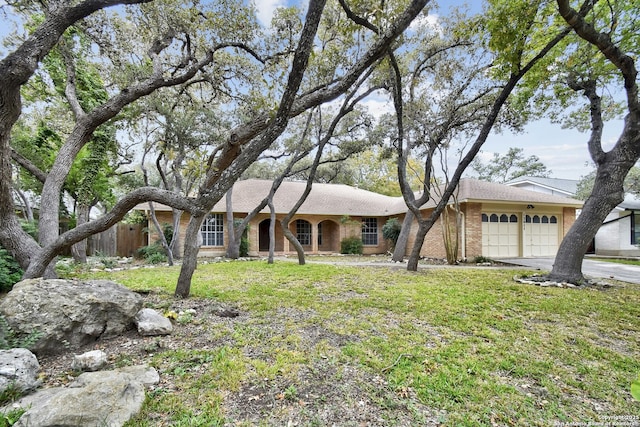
(233, 244)
(190, 261)
(403, 239)
(414, 257)
(612, 166)
(607, 193)
(292, 239)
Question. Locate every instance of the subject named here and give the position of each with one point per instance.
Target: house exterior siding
(336, 212)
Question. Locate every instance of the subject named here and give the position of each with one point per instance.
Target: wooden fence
(120, 240)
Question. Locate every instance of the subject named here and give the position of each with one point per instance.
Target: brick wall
(473, 229)
(568, 218)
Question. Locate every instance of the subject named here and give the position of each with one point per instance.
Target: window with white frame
(370, 231)
(303, 231)
(213, 230)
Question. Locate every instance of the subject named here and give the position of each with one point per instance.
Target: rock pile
(67, 315)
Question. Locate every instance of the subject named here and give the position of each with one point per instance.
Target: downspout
(464, 237)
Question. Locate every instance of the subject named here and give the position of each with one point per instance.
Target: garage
(540, 235)
(500, 234)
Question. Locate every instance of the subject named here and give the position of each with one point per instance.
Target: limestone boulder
(104, 398)
(90, 361)
(69, 313)
(18, 369)
(152, 323)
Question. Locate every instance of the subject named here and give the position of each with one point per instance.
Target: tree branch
(29, 166)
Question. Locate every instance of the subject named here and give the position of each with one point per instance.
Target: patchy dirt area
(321, 391)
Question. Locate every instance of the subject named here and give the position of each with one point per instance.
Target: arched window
(536, 219)
(504, 218)
(553, 219)
(485, 218)
(545, 219)
(527, 219)
(513, 218)
(493, 218)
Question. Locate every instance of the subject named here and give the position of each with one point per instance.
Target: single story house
(619, 234)
(496, 220)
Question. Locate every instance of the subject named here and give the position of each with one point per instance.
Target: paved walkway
(590, 268)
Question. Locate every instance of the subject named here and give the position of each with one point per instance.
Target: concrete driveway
(590, 268)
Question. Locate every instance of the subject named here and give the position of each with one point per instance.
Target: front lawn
(345, 345)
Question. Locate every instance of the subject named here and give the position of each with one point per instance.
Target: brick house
(496, 220)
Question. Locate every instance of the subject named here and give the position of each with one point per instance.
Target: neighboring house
(619, 234)
(558, 187)
(496, 220)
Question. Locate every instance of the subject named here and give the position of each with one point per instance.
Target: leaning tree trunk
(401, 245)
(233, 244)
(190, 258)
(292, 239)
(272, 231)
(414, 257)
(608, 192)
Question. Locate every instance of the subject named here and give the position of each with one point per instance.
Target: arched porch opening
(263, 237)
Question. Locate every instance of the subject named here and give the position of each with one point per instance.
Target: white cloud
(430, 22)
(266, 8)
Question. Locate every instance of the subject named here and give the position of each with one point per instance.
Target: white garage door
(540, 235)
(500, 235)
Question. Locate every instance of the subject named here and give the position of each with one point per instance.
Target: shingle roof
(474, 190)
(324, 199)
(338, 199)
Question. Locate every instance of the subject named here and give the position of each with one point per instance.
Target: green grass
(468, 342)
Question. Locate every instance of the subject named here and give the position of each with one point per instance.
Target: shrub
(351, 245)
(244, 246)
(391, 230)
(153, 254)
(482, 260)
(156, 258)
(10, 271)
(244, 240)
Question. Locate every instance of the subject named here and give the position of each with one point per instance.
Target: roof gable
(567, 186)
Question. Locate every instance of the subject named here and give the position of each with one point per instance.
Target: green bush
(351, 245)
(10, 271)
(391, 230)
(156, 258)
(244, 246)
(153, 254)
